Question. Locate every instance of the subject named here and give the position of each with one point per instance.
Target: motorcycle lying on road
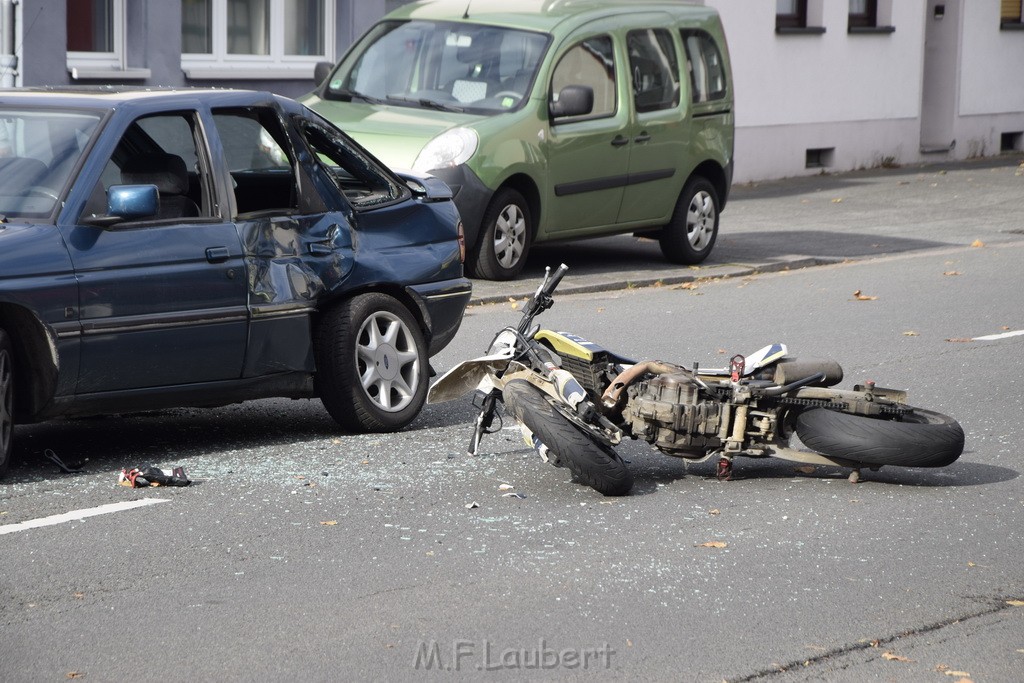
(575, 401)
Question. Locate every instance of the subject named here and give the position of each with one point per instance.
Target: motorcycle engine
(666, 411)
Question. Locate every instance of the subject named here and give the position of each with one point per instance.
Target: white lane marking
(79, 514)
(1004, 335)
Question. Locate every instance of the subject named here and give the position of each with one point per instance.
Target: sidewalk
(802, 222)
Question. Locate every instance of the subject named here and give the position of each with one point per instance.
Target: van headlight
(447, 150)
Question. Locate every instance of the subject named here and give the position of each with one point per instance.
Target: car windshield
(446, 66)
(38, 150)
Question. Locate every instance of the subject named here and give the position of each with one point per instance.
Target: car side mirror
(573, 100)
(321, 71)
(128, 203)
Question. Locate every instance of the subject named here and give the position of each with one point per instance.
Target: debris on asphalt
(474, 504)
(70, 469)
(505, 487)
(147, 475)
(513, 495)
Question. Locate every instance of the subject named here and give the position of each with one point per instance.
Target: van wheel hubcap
(700, 221)
(509, 236)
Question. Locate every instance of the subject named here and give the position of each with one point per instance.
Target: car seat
(169, 174)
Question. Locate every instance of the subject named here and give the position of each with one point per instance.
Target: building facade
(821, 85)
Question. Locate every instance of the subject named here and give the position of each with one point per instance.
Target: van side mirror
(321, 71)
(573, 100)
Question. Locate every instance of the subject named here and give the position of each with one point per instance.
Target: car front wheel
(690, 235)
(371, 357)
(6, 402)
(504, 241)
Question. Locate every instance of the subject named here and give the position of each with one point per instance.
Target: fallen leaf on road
(74, 674)
(863, 297)
(977, 243)
(959, 340)
(505, 487)
(952, 272)
(895, 658)
(807, 469)
(910, 333)
(1015, 603)
(713, 544)
(957, 673)
(687, 285)
(837, 200)
(716, 511)
(332, 522)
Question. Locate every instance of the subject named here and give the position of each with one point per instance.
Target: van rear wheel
(505, 235)
(690, 235)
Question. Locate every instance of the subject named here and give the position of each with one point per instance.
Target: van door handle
(643, 137)
(217, 254)
(619, 141)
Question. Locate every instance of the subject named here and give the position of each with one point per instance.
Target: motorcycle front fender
(467, 377)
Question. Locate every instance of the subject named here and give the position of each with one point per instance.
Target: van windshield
(438, 65)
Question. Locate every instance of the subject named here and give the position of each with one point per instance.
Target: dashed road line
(1004, 335)
(79, 514)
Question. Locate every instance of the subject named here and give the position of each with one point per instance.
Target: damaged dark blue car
(202, 247)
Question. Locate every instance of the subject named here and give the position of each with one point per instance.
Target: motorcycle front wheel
(922, 438)
(594, 464)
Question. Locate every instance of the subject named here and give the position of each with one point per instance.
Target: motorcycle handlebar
(549, 289)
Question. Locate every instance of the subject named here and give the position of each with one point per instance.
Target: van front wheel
(690, 235)
(505, 235)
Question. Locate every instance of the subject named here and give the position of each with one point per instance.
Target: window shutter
(1009, 10)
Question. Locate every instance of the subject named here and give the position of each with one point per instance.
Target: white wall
(992, 71)
(861, 94)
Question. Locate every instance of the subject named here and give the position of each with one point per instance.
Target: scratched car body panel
(197, 248)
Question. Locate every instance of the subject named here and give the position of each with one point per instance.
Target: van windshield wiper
(356, 95)
(426, 104)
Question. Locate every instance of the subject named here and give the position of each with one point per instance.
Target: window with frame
(790, 14)
(589, 63)
(863, 13)
(1010, 13)
(255, 38)
(705, 66)
(95, 33)
(654, 68)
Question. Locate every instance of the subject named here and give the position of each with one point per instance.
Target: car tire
(372, 370)
(505, 236)
(6, 402)
(690, 235)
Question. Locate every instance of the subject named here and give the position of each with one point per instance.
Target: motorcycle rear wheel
(594, 464)
(922, 439)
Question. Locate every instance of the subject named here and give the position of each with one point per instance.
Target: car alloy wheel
(388, 361)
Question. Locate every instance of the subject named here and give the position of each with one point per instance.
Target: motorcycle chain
(841, 406)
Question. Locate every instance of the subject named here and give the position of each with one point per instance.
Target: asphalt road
(300, 552)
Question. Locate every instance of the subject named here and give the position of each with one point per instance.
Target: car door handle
(217, 254)
(643, 137)
(619, 141)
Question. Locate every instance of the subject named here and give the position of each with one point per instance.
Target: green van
(549, 119)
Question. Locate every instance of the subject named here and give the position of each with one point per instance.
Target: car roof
(109, 97)
(542, 15)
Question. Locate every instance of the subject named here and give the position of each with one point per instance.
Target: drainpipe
(8, 60)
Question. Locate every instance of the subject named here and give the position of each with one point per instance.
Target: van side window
(654, 67)
(590, 63)
(704, 62)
